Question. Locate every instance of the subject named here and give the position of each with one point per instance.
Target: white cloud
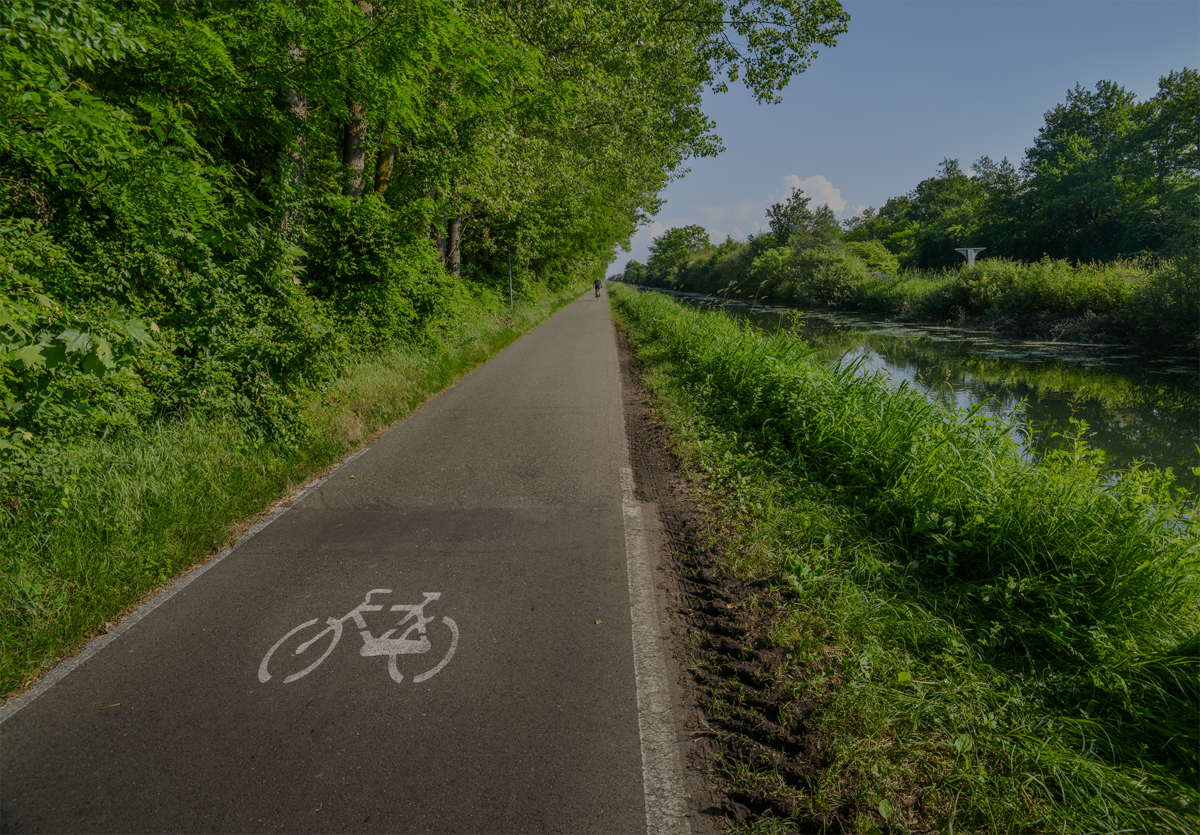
(752, 215)
(745, 217)
(820, 192)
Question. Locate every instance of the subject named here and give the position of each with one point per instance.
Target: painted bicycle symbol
(385, 644)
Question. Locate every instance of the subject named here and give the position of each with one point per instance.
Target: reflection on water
(1136, 409)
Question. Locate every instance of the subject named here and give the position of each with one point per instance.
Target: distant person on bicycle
(599, 285)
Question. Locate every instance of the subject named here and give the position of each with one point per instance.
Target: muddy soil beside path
(739, 708)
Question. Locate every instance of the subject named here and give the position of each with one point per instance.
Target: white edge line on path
(666, 800)
(64, 668)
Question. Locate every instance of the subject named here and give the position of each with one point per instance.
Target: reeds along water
(1136, 408)
(1059, 565)
(1149, 302)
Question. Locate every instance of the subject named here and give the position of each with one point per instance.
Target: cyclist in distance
(598, 284)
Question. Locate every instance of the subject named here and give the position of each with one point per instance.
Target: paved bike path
(502, 494)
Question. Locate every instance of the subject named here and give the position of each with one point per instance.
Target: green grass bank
(99, 524)
(1151, 303)
(999, 647)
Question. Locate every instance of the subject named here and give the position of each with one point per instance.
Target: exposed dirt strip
(742, 713)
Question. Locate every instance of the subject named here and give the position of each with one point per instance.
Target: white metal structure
(970, 252)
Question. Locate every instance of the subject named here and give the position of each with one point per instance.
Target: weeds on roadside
(1015, 645)
(98, 524)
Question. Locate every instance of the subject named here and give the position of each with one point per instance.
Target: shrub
(1168, 306)
(726, 269)
(827, 276)
(770, 271)
(875, 255)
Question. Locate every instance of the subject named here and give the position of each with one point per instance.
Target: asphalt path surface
(507, 702)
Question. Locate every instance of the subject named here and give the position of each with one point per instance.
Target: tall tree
(788, 216)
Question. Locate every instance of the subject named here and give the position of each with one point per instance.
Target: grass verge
(108, 522)
(994, 646)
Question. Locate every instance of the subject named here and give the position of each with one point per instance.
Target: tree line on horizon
(1107, 178)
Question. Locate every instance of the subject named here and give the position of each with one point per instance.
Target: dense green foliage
(1107, 178)
(1018, 640)
(211, 207)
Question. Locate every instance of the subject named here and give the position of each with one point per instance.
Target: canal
(1136, 408)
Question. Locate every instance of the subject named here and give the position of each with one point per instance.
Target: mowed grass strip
(1008, 647)
(112, 520)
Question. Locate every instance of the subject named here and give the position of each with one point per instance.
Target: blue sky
(912, 82)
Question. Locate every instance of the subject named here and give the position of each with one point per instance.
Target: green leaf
(54, 354)
(92, 364)
(76, 341)
(138, 330)
(104, 353)
(30, 356)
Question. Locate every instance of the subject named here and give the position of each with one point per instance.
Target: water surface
(1137, 408)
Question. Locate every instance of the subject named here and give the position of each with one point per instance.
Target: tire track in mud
(741, 712)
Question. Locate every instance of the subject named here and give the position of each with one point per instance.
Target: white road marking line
(666, 799)
(64, 668)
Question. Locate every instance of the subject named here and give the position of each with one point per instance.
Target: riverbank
(1133, 302)
(1137, 408)
(1154, 305)
(990, 645)
(103, 523)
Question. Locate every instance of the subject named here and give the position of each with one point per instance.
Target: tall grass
(997, 289)
(100, 524)
(1018, 643)
(1141, 300)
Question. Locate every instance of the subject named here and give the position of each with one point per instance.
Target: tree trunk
(354, 153)
(454, 244)
(383, 167)
(297, 153)
(439, 235)
(437, 229)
